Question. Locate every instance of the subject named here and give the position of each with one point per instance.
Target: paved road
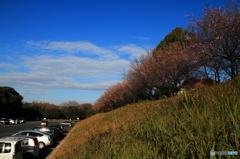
(11, 129)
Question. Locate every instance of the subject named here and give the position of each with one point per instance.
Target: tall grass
(185, 126)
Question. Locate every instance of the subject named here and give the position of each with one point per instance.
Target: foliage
(90, 112)
(85, 106)
(209, 49)
(159, 73)
(39, 105)
(216, 38)
(70, 103)
(177, 36)
(10, 102)
(115, 97)
(47, 110)
(31, 113)
(185, 126)
(52, 113)
(75, 113)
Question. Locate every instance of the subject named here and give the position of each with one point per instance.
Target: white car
(44, 139)
(30, 146)
(13, 121)
(11, 149)
(68, 123)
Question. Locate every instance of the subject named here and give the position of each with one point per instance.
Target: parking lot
(8, 130)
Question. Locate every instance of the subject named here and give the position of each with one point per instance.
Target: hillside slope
(185, 126)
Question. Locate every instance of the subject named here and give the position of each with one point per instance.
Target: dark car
(59, 126)
(60, 132)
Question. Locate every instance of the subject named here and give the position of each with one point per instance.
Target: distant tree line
(11, 106)
(208, 49)
(67, 110)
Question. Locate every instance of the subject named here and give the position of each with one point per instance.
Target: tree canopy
(10, 102)
(209, 49)
(177, 36)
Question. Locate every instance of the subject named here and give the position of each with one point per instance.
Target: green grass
(185, 126)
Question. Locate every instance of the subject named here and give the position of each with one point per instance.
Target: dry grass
(186, 126)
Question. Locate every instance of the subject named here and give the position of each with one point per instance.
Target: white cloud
(8, 66)
(133, 50)
(35, 80)
(34, 91)
(95, 68)
(74, 66)
(82, 47)
(130, 49)
(66, 72)
(142, 38)
(73, 47)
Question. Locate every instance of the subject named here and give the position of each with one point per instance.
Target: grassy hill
(185, 126)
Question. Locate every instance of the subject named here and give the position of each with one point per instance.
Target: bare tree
(70, 103)
(217, 37)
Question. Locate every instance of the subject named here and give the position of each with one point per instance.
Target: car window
(23, 133)
(7, 148)
(25, 142)
(35, 134)
(1, 147)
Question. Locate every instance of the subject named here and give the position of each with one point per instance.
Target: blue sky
(61, 50)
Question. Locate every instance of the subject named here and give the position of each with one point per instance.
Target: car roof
(32, 131)
(10, 140)
(21, 137)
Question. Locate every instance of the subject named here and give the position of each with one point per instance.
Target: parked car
(44, 139)
(4, 121)
(21, 120)
(44, 123)
(13, 121)
(47, 129)
(11, 149)
(59, 131)
(30, 146)
(59, 126)
(66, 123)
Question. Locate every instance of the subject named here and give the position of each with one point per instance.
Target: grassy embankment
(185, 126)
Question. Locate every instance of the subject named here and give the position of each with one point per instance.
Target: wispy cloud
(73, 65)
(86, 67)
(8, 66)
(142, 38)
(34, 91)
(72, 47)
(79, 47)
(68, 72)
(133, 50)
(35, 80)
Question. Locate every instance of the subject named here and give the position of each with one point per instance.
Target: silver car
(44, 139)
(29, 145)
